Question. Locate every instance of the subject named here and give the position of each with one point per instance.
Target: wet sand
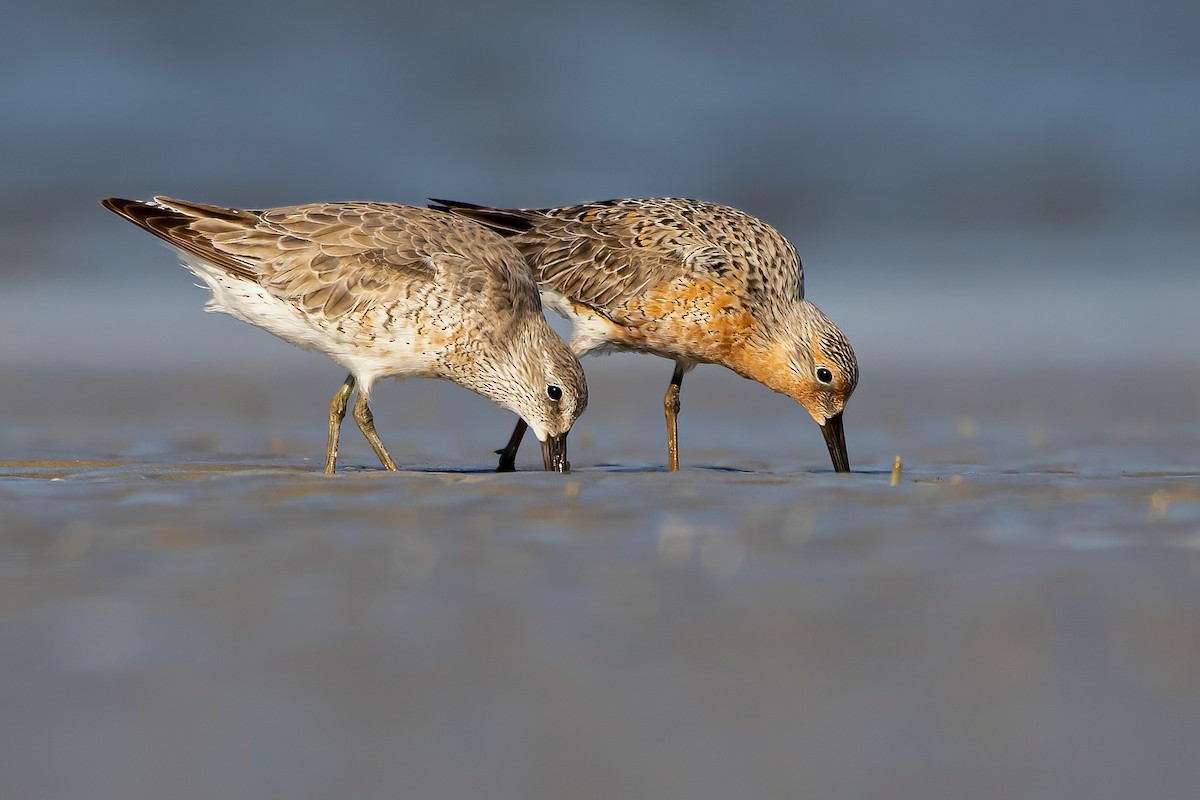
(189, 609)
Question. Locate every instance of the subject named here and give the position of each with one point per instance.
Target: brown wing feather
(340, 257)
(175, 227)
(606, 254)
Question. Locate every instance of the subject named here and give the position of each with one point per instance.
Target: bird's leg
(337, 413)
(508, 455)
(366, 424)
(671, 407)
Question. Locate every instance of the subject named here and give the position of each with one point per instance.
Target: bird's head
(809, 359)
(550, 391)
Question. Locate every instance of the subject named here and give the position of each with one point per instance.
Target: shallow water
(191, 610)
(1000, 211)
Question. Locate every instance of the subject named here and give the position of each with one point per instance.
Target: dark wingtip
(139, 212)
(453, 205)
(504, 222)
(119, 205)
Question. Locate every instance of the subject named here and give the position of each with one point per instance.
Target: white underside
(590, 333)
(393, 354)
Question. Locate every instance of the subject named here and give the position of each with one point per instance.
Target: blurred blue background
(998, 202)
(963, 180)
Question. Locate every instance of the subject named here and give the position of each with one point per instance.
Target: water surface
(191, 609)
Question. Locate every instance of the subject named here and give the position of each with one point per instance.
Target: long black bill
(835, 440)
(554, 454)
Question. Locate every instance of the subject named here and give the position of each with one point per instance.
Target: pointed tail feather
(172, 221)
(506, 222)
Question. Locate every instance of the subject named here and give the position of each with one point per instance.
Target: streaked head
(812, 363)
(550, 391)
(828, 373)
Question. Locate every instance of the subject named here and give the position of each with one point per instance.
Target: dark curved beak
(554, 454)
(835, 440)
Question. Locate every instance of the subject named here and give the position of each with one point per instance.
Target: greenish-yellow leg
(337, 413)
(366, 424)
(671, 407)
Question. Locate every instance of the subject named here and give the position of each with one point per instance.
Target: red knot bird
(385, 291)
(694, 282)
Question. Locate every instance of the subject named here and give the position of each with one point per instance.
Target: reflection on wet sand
(187, 601)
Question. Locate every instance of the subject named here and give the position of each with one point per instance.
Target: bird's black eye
(824, 375)
(554, 392)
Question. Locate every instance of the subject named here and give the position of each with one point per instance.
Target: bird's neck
(769, 357)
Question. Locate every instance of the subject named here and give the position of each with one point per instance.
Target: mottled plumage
(385, 291)
(695, 282)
